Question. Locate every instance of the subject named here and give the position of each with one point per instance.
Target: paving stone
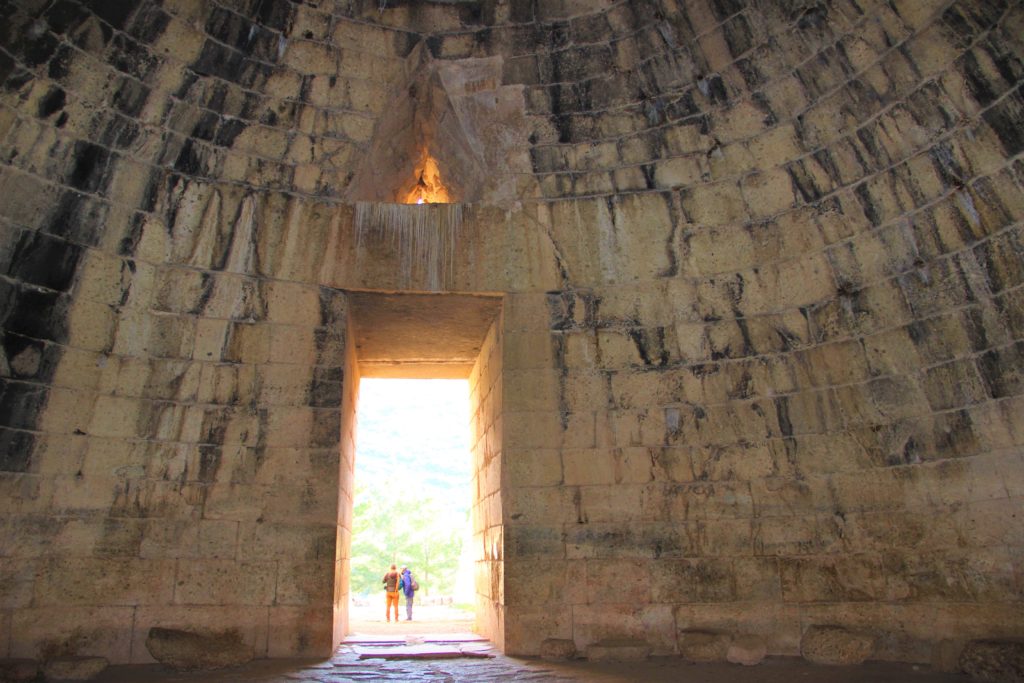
(74, 668)
(994, 660)
(17, 670)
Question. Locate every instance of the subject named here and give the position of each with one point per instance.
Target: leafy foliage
(405, 525)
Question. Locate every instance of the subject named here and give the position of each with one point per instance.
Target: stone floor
(350, 664)
(370, 619)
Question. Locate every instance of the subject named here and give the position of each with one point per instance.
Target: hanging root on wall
(424, 235)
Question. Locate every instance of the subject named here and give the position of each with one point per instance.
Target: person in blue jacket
(409, 587)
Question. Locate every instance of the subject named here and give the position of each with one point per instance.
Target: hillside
(418, 430)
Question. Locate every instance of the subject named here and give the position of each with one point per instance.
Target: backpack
(415, 586)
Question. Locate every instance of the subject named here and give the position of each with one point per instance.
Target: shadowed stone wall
(760, 355)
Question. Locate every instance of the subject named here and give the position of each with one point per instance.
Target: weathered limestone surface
(746, 650)
(758, 367)
(704, 646)
(558, 648)
(74, 668)
(836, 645)
(188, 651)
(618, 650)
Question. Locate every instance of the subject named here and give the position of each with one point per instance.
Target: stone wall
(349, 377)
(759, 366)
(486, 391)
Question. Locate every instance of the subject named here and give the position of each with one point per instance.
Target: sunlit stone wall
(760, 361)
(486, 391)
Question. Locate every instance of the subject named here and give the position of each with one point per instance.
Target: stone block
(946, 655)
(621, 503)
(209, 339)
(557, 648)
(225, 582)
(836, 645)
(717, 204)
(119, 579)
(191, 651)
(703, 646)
(533, 467)
(678, 172)
(648, 623)
(74, 668)
(588, 466)
(768, 192)
(999, 661)
(301, 631)
(747, 650)
(533, 505)
(618, 650)
(777, 623)
(693, 580)
(67, 630)
(539, 582)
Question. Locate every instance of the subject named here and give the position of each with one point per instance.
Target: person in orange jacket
(390, 582)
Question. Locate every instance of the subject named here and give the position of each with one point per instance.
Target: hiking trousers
(392, 600)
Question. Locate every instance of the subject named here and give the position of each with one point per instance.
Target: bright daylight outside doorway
(412, 499)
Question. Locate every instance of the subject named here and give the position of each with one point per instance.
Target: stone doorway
(431, 336)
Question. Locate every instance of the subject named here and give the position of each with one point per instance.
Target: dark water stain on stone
(1007, 120)
(326, 390)
(1000, 370)
(88, 173)
(45, 261)
(114, 12)
(652, 349)
(52, 102)
(782, 414)
(189, 161)
(120, 538)
(210, 457)
(16, 448)
(38, 314)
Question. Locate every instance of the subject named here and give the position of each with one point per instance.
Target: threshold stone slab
(423, 651)
(380, 639)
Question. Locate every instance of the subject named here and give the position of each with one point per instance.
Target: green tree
(405, 524)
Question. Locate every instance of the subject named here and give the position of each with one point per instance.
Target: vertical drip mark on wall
(424, 235)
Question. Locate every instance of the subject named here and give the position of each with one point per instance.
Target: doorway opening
(416, 336)
(412, 505)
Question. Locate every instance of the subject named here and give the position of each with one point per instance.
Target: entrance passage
(395, 503)
(412, 505)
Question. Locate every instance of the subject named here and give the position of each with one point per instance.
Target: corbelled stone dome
(737, 285)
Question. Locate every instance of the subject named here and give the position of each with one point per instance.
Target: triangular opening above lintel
(420, 152)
